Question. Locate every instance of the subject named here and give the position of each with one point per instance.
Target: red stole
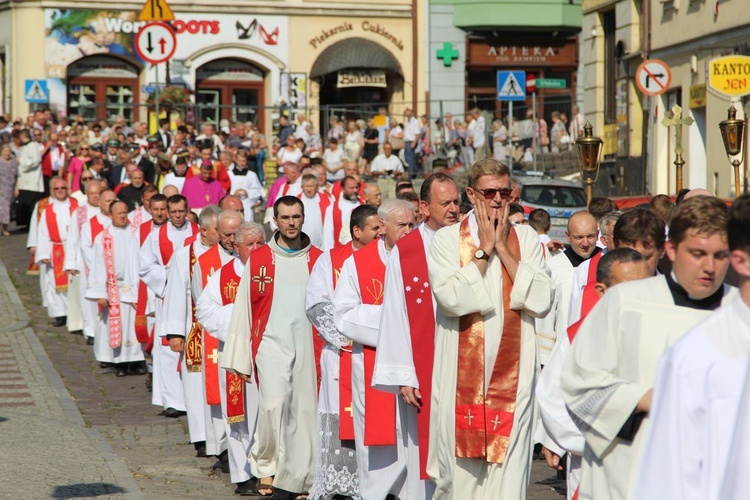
(323, 203)
(113, 291)
(346, 416)
(338, 223)
(484, 423)
(235, 388)
(58, 247)
(141, 319)
(380, 406)
(418, 295)
(166, 249)
(262, 264)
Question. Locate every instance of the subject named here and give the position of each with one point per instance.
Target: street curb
(116, 464)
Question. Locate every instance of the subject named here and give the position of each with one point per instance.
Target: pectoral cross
(262, 279)
(469, 417)
(214, 357)
(677, 121)
(349, 410)
(495, 422)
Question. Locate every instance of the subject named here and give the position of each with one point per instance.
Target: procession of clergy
(415, 362)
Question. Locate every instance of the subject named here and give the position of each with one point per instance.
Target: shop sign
(229, 70)
(730, 75)
(364, 78)
(482, 53)
(345, 27)
(698, 96)
(102, 67)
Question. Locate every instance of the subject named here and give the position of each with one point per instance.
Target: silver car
(558, 197)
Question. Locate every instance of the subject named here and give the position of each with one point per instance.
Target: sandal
(275, 495)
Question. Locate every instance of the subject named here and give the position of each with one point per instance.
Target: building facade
(239, 61)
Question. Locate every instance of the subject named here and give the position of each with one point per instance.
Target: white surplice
(215, 318)
(337, 465)
(167, 391)
(460, 291)
(394, 365)
(125, 246)
(178, 320)
(382, 469)
(695, 405)
(57, 302)
(611, 365)
(31, 241)
(139, 216)
(313, 226)
(331, 240)
(285, 444)
(251, 184)
(555, 323)
(80, 311)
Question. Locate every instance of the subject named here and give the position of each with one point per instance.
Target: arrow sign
(653, 77)
(166, 42)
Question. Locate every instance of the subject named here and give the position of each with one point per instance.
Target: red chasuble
(418, 295)
(58, 247)
(484, 422)
(141, 319)
(262, 264)
(380, 406)
(346, 419)
(235, 386)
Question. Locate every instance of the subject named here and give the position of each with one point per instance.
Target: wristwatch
(481, 255)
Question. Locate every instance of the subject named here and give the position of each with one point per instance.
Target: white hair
(229, 214)
(208, 216)
(393, 205)
(248, 228)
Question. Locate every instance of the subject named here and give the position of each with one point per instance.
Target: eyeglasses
(60, 189)
(88, 178)
(489, 194)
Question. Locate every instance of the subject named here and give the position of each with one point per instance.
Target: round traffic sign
(653, 77)
(156, 42)
(530, 83)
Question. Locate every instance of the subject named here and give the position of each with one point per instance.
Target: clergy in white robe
(405, 349)
(80, 311)
(245, 184)
(469, 283)
(214, 313)
(608, 377)
(337, 465)
(114, 286)
(31, 241)
(316, 205)
(357, 301)
(276, 347)
(154, 258)
(336, 221)
(50, 250)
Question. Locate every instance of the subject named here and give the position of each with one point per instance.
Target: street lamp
(588, 149)
(732, 131)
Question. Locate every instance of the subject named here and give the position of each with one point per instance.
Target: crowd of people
(367, 345)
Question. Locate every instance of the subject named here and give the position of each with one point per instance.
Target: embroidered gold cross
(214, 357)
(262, 279)
(495, 422)
(469, 417)
(349, 410)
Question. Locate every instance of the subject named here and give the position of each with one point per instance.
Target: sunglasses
(489, 194)
(86, 178)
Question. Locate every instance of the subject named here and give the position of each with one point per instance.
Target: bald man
(170, 190)
(582, 234)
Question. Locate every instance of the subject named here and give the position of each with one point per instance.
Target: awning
(354, 53)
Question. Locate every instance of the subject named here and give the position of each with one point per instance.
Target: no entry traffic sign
(156, 42)
(653, 77)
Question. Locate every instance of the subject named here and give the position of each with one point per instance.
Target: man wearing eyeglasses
(490, 281)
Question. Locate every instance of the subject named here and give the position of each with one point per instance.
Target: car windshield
(554, 196)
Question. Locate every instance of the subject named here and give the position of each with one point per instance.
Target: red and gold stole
(58, 247)
(141, 319)
(380, 406)
(235, 388)
(206, 354)
(40, 208)
(484, 422)
(418, 295)
(166, 249)
(346, 416)
(262, 264)
(113, 292)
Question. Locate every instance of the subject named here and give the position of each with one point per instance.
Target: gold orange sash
(484, 422)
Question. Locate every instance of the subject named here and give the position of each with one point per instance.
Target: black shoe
(138, 368)
(222, 463)
(245, 487)
(89, 340)
(76, 332)
(60, 321)
(121, 371)
(105, 365)
(172, 413)
(200, 449)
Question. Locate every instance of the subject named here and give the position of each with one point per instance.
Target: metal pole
(156, 79)
(510, 127)
(533, 107)
(650, 167)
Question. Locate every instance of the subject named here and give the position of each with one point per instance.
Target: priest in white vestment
(608, 377)
(406, 340)
(142, 212)
(31, 242)
(336, 220)
(481, 272)
(357, 303)
(337, 465)
(51, 237)
(698, 397)
(245, 184)
(114, 288)
(276, 348)
(316, 204)
(178, 323)
(214, 314)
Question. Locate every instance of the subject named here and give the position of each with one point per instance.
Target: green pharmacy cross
(447, 54)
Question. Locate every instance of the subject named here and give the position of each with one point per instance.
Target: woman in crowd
(8, 174)
(353, 142)
(77, 165)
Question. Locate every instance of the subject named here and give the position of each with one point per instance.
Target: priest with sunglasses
(490, 281)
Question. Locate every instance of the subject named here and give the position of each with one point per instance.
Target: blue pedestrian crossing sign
(36, 91)
(511, 85)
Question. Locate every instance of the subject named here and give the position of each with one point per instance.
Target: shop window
(481, 79)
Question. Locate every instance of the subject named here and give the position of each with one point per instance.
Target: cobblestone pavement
(113, 442)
